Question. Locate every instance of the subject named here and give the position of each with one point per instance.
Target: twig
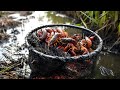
(104, 26)
(83, 22)
(103, 14)
(89, 17)
(114, 43)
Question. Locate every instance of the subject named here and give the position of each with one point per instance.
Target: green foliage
(119, 29)
(101, 20)
(78, 24)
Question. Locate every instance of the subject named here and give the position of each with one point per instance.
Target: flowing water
(107, 66)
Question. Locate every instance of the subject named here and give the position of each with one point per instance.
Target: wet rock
(16, 32)
(14, 38)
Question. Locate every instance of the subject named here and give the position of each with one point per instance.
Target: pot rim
(67, 59)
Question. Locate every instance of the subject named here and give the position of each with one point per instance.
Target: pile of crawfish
(73, 45)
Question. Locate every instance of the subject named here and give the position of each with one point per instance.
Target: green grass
(105, 23)
(102, 21)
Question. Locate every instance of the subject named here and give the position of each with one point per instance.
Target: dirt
(10, 68)
(8, 22)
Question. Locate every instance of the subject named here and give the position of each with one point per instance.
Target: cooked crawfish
(92, 38)
(68, 40)
(70, 48)
(49, 36)
(55, 39)
(89, 42)
(77, 37)
(42, 34)
(86, 42)
(61, 47)
(82, 48)
(63, 32)
(49, 30)
(71, 52)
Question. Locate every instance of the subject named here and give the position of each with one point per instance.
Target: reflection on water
(108, 62)
(106, 72)
(58, 18)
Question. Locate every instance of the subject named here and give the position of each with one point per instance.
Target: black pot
(45, 64)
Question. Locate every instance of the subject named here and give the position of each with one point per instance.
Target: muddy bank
(8, 22)
(12, 57)
(5, 24)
